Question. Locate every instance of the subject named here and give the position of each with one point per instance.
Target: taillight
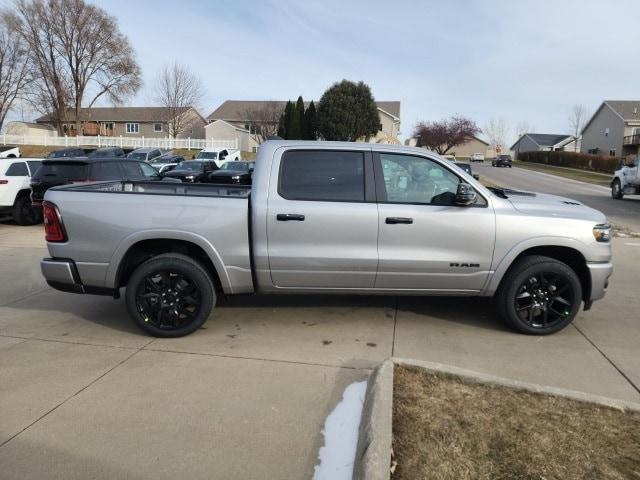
(53, 230)
(4, 182)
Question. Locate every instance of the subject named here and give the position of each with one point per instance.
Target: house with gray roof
(547, 142)
(236, 113)
(614, 129)
(148, 122)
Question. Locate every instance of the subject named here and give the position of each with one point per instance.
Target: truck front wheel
(539, 295)
(170, 295)
(616, 190)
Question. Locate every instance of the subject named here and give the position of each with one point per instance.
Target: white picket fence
(122, 142)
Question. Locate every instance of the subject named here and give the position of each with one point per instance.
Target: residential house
(547, 142)
(465, 150)
(148, 122)
(236, 113)
(29, 129)
(614, 129)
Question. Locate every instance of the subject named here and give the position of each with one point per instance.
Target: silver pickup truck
(327, 217)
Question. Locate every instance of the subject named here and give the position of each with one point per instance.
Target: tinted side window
(33, 166)
(148, 170)
(131, 170)
(105, 171)
(18, 169)
(322, 175)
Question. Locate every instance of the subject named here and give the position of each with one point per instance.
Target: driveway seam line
(25, 297)
(395, 323)
(70, 342)
(619, 370)
(257, 359)
(74, 394)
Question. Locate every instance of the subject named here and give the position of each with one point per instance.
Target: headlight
(602, 232)
(236, 177)
(189, 177)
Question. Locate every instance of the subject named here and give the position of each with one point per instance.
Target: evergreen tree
(287, 120)
(297, 123)
(347, 112)
(311, 122)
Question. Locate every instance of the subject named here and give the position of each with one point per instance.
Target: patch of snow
(341, 436)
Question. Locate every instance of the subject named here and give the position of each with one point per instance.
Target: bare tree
(442, 136)
(524, 127)
(78, 55)
(263, 120)
(14, 69)
(576, 121)
(178, 89)
(497, 131)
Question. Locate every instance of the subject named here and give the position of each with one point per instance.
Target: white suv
(477, 157)
(15, 179)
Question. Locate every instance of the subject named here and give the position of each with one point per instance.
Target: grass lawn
(572, 173)
(447, 428)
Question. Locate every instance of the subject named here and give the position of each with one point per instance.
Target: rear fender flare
(128, 242)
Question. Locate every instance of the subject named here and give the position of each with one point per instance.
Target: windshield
(137, 156)
(162, 160)
(208, 155)
(236, 166)
(190, 165)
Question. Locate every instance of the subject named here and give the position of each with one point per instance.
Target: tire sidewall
(178, 264)
(516, 281)
(616, 190)
(17, 212)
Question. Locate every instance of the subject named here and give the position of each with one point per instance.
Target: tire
(162, 282)
(616, 190)
(24, 213)
(539, 295)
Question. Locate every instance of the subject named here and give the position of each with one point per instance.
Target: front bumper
(600, 273)
(62, 274)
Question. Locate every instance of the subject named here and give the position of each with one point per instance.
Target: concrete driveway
(83, 394)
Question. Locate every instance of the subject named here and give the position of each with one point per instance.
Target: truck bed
(163, 188)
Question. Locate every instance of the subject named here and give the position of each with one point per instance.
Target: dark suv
(502, 161)
(80, 170)
(71, 152)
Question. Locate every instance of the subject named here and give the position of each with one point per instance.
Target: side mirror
(476, 176)
(465, 195)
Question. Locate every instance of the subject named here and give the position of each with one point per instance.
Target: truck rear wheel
(539, 295)
(616, 190)
(24, 213)
(170, 295)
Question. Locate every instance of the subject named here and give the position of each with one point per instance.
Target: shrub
(581, 161)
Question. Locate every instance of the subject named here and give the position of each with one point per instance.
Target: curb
(373, 453)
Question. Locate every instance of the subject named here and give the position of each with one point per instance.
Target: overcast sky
(520, 60)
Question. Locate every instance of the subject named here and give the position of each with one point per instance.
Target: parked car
(467, 168)
(166, 162)
(502, 161)
(192, 171)
(477, 157)
(626, 180)
(219, 155)
(325, 217)
(107, 152)
(67, 153)
(146, 154)
(55, 172)
(15, 177)
(9, 152)
(238, 172)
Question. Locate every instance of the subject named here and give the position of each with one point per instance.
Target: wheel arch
(571, 255)
(137, 250)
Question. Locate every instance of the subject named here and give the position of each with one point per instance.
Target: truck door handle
(396, 220)
(287, 217)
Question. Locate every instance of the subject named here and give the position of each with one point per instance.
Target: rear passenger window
(18, 169)
(322, 176)
(105, 171)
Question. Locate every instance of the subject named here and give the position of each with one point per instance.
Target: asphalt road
(625, 212)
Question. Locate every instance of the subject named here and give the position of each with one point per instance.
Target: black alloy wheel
(170, 295)
(539, 295)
